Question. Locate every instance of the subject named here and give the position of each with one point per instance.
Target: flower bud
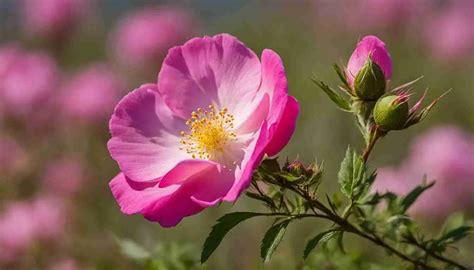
(392, 112)
(369, 58)
(296, 167)
(370, 82)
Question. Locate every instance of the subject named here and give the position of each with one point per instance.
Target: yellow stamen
(209, 132)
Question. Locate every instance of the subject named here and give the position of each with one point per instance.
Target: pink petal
(132, 201)
(284, 109)
(186, 169)
(253, 156)
(145, 135)
(211, 186)
(375, 48)
(274, 83)
(172, 209)
(210, 70)
(281, 132)
(257, 113)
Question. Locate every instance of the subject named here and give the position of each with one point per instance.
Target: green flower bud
(391, 112)
(370, 83)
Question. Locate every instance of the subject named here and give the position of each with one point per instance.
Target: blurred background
(64, 64)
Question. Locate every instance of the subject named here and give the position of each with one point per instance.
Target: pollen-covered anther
(209, 132)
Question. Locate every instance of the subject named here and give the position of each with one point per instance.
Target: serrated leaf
(411, 197)
(320, 238)
(220, 229)
(272, 239)
(339, 100)
(132, 249)
(351, 173)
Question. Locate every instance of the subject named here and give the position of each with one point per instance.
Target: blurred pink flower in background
(450, 32)
(373, 47)
(64, 176)
(376, 14)
(193, 140)
(8, 54)
(65, 264)
(17, 230)
(91, 94)
(27, 82)
(48, 214)
(53, 18)
(12, 156)
(444, 154)
(26, 223)
(360, 16)
(144, 36)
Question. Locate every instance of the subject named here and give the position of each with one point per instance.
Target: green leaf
(290, 177)
(342, 77)
(132, 249)
(320, 238)
(411, 197)
(272, 239)
(456, 234)
(340, 101)
(351, 173)
(455, 220)
(220, 229)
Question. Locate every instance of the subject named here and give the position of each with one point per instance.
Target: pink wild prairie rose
(373, 47)
(193, 139)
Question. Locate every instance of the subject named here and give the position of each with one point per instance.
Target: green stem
(370, 145)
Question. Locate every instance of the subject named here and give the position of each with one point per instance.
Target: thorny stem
(316, 206)
(365, 156)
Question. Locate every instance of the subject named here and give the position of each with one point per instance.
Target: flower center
(209, 132)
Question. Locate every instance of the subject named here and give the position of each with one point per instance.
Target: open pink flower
(369, 47)
(194, 139)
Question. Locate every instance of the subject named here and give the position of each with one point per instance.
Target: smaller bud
(392, 112)
(370, 83)
(296, 167)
